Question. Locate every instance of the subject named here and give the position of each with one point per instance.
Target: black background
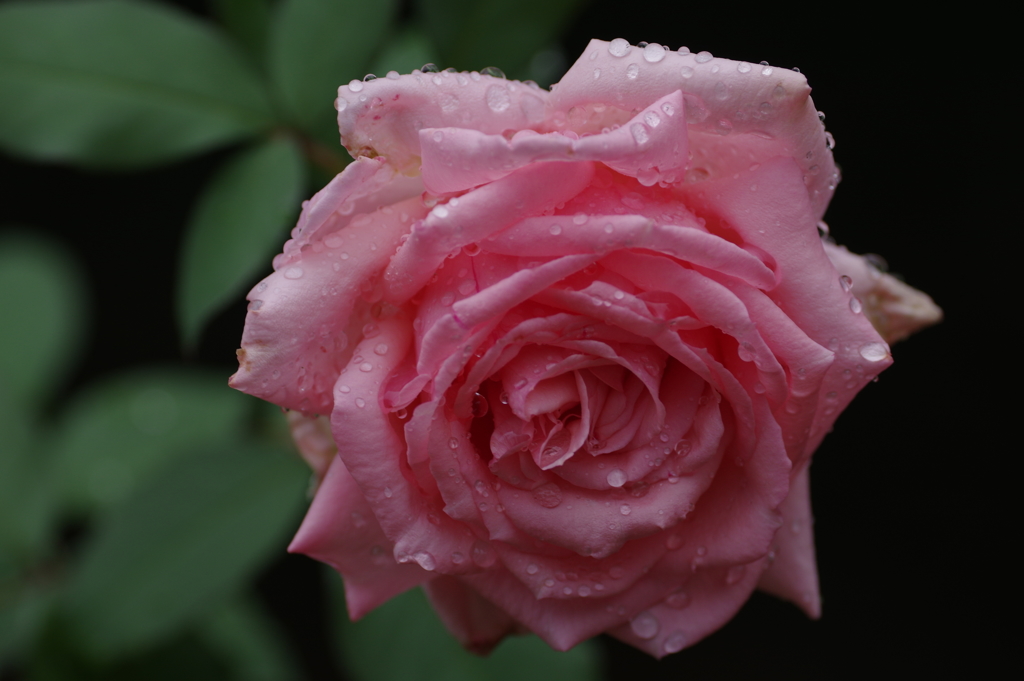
(906, 490)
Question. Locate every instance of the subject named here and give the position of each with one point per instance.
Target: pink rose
(576, 347)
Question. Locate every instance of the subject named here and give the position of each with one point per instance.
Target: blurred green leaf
(42, 308)
(248, 640)
(23, 612)
(116, 434)
(240, 221)
(317, 46)
(248, 21)
(503, 33)
(26, 499)
(404, 639)
(408, 50)
(120, 84)
(176, 548)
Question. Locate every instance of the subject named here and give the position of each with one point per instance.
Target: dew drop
(548, 495)
(767, 71)
(654, 53)
(457, 558)
(632, 71)
(532, 569)
(678, 600)
(855, 305)
(597, 73)
(652, 119)
(555, 230)
(668, 109)
(293, 273)
(388, 493)
(355, 85)
(492, 71)
(674, 643)
(453, 443)
(645, 625)
(639, 131)
(618, 47)
(617, 477)
(874, 352)
(845, 282)
(703, 57)
(366, 367)
(360, 402)
(498, 98)
(484, 554)
(625, 509)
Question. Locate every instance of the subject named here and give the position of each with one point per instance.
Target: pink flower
(576, 347)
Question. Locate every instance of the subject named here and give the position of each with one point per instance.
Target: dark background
(907, 514)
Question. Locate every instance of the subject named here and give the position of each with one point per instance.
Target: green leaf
(176, 548)
(239, 223)
(112, 83)
(502, 33)
(408, 50)
(42, 309)
(23, 612)
(27, 505)
(116, 434)
(317, 46)
(248, 640)
(403, 639)
(248, 21)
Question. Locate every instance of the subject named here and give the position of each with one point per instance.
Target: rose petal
(373, 452)
(475, 622)
(477, 214)
(383, 117)
(894, 309)
(778, 117)
(778, 218)
(700, 607)
(793, 574)
(357, 548)
(651, 146)
(296, 331)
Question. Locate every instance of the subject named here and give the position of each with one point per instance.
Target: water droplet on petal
(618, 47)
(855, 305)
(743, 67)
(393, 75)
(617, 477)
(425, 560)
(625, 509)
(555, 230)
(654, 53)
(645, 625)
(388, 493)
(652, 119)
(293, 273)
(457, 558)
(355, 85)
(632, 71)
(686, 72)
(498, 98)
(548, 495)
(674, 643)
(703, 57)
(532, 569)
(484, 554)
(360, 402)
(678, 600)
(639, 131)
(874, 352)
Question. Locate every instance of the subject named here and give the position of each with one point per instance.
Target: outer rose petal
(360, 551)
(793, 574)
(383, 117)
(895, 309)
(778, 117)
(477, 623)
